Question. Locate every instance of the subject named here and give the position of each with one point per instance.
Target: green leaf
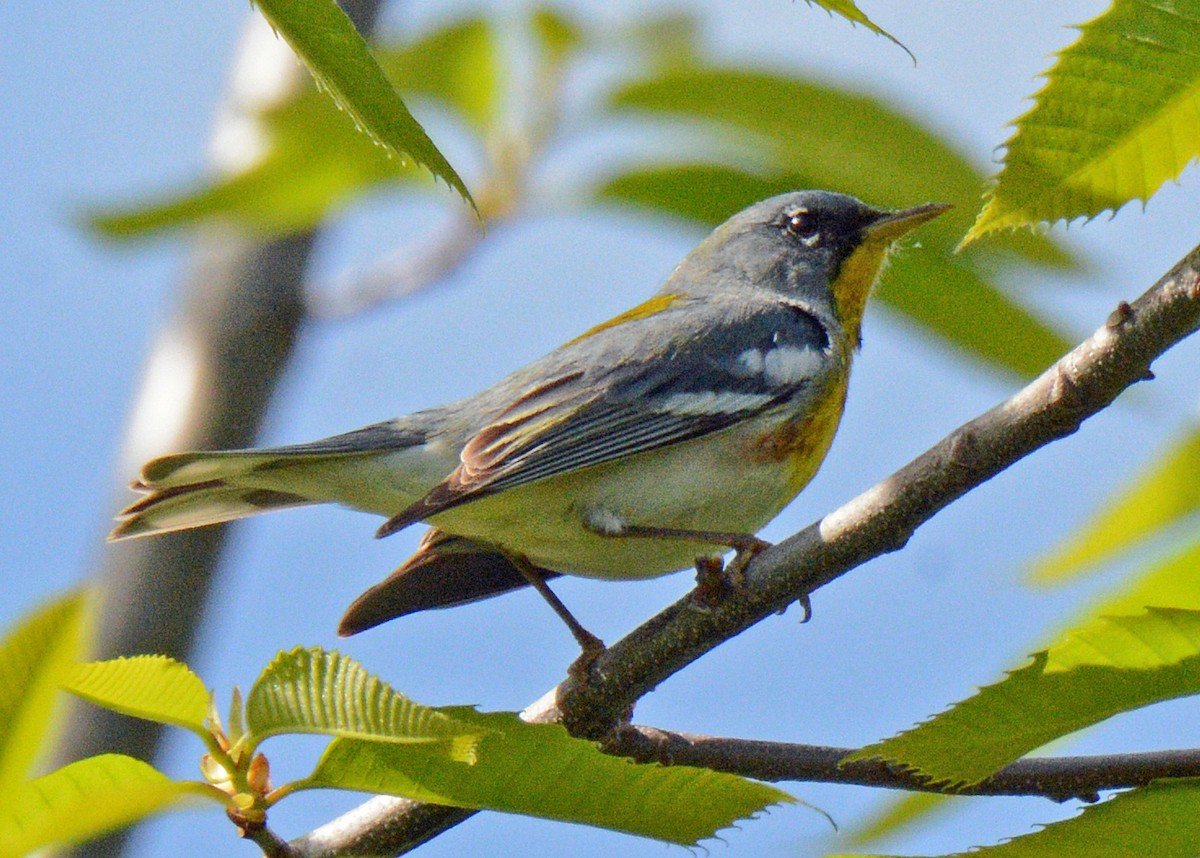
(1108, 666)
(458, 65)
(929, 287)
(707, 193)
(84, 800)
(316, 161)
(672, 37)
(556, 34)
(792, 127)
(818, 136)
(1170, 583)
(1173, 583)
(854, 15)
(1158, 821)
(34, 657)
(286, 192)
(313, 691)
(902, 814)
(1164, 494)
(153, 687)
(237, 717)
(933, 288)
(539, 770)
(342, 64)
(785, 133)
(1118, 116)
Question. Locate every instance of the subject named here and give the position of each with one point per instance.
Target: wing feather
(623, 406)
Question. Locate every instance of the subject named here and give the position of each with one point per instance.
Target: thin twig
(1057, 778)
(501, 194)
(1081, 384)
(271, 844)
(402, 274)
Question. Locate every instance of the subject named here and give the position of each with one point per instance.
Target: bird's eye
(803, 224)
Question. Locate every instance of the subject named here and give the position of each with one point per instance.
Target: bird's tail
(365, 469)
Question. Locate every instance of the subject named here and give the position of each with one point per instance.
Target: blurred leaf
(954, 301)
(316, 161)
(932, 288)
(848, 142)
(1171, 583)
(1118, 116)
(286, 192)
(854, 15)
(838, 140)
(539, 770)
(668, 38)
(458, 65)
(34, 657)
(1164, 494)
(898, 815)
(312, 691)
(342, 64)
(153, 687)
(558, 35)
(84, 800)
(708, 193)
(1108, 666)
(1158, 821)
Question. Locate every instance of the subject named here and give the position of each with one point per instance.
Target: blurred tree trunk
(207, 384)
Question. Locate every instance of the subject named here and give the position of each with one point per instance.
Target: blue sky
(105, 102)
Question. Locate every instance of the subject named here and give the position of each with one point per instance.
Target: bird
(654, 442)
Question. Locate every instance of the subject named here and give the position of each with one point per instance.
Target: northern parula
(674, 431)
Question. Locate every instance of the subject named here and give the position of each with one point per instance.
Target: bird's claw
(710, 582)
(715, 579)
(747, 550)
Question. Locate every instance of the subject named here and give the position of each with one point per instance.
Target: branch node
(964, 450)
(1065, 391)
(1118, 317)
(1193, 287)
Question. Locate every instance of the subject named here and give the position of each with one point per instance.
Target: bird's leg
(591, 645)
(709, 570)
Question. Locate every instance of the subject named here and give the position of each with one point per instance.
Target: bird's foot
(710, 581)
(591, 649)
(746, 549)
(716, 579)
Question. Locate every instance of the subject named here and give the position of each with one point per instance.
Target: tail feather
(195, 489)
(196, 505)
(182, 470)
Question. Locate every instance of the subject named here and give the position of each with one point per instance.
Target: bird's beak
(891, 225)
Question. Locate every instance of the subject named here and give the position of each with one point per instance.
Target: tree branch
(1057, 778)
(1079, 385)
(271, 844)
(403, 274)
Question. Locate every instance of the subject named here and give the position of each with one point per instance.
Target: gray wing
(720, 366)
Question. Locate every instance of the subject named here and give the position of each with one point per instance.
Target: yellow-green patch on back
(647, 308)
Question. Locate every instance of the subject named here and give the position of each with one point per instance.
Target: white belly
(727, 481)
